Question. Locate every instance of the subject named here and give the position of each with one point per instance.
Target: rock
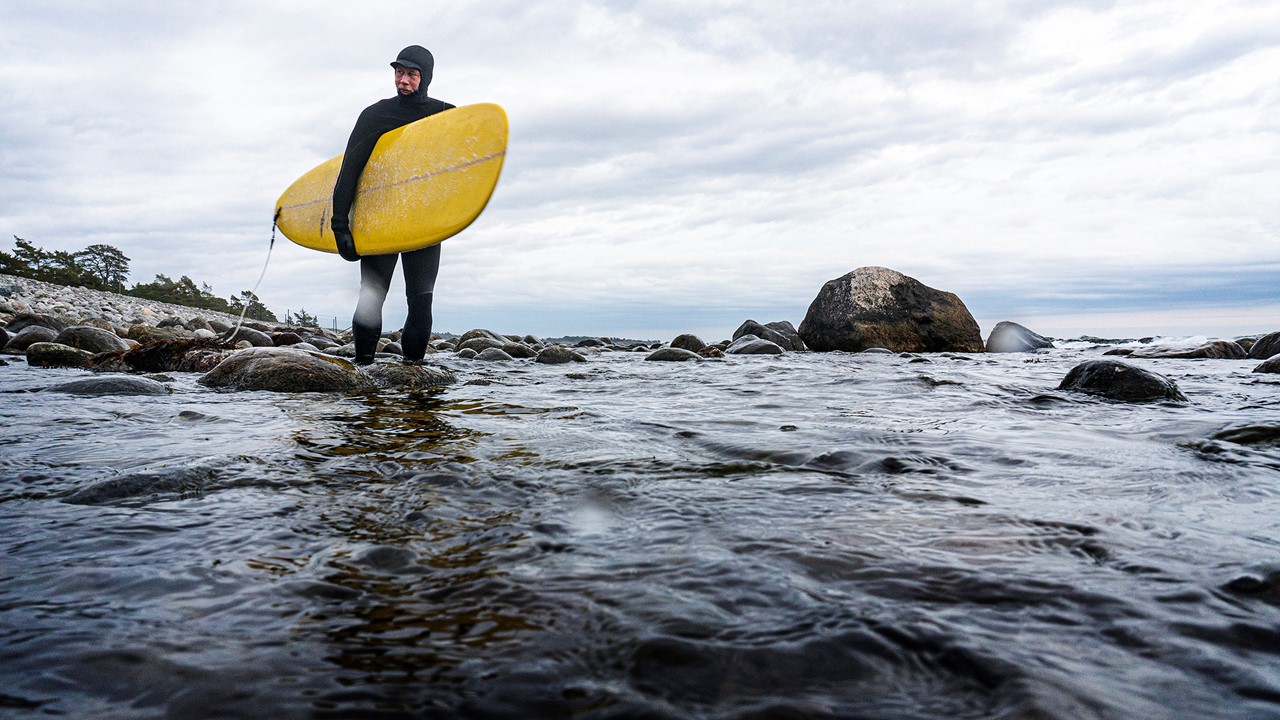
(692, 343)
(112, 385)
(1120, 381)
(1265, 347)
(286, 370)
(198, 323)
(879, 307)
(29, 336)
(50, 354)
(321, 342)
(519, 350)
(414, 377)
(144, 333)
(482, 343)
(711, 351)
(671, 354)
(592, 343)
(494, 354)
(478, 333)
(558, 355)
(1217, 349)
(282, 339)
(90, 338)
(172, 321)
(752, 345)
(25, 320)
(1270, 365)
(782, 333)
(1009, 337)
(5, 337)
(256, 338)
(467, 354)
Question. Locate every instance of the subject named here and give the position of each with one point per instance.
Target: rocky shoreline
(867, 310)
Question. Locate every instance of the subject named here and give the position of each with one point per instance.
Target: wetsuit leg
(420, 270)
(366, 325)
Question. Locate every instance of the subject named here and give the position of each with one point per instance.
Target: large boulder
(689, 342)
(92, 339)
(256, 338)
(412, 376)
(670, 354)
(286, 370)
(1270, 365)
(1120, 381)
(1266, 346)
(879, 307)
(1011, 337)
(752, 345)
(558, 355)
(781, 333)
(26, 320)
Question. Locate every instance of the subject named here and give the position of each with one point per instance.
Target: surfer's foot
(346, 246)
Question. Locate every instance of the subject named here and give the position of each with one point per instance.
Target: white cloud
(667, 157)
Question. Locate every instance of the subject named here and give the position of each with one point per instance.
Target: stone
(1217, 350)
(752, 345)
(51, 354)
(199, 323)
(480, 332)
(112, 385)
(782, 333)
(558, 355)
(494, 354)
(711, 351)
(692, 343)
(1120, 381)
(519, 350)
(22, 321)
(281, 339)
(879, 307)
(670, 354)
(256, 338)
(29, 336)
(286, 370)
(90, 338)
(413, 377)
(481, 343)
(1270, 365)
(1265, 347)
(144, 333)
(1007, 337)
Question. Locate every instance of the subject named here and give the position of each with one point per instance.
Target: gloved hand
(346, 245)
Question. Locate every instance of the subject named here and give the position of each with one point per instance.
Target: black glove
(346, 245)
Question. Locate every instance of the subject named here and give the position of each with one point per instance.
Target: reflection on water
(804, 536)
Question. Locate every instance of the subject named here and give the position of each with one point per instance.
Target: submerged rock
(414, 377)
(1120, 381)
(1217, 349)
(671, 354)
(286, 370)
(1011, 337)
(879, 307)
(112, 385)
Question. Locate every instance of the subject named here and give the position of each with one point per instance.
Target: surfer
(413, 69)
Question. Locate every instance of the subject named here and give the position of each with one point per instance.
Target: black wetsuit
(420, 266)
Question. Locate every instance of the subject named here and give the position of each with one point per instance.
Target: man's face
(407, 80)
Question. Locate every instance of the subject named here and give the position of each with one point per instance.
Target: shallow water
(812, 535)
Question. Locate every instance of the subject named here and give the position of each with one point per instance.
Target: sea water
(800, 536)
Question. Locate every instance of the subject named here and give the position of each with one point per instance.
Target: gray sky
(1103, 168)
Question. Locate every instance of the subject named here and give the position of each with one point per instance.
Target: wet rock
(199, 323)
(1120, 381)
(256, 338)
(1271, 365)
(112, 385)
(144, 333)
(282, 339)
(592, 343)
(671, 354)
(5, 337)
(1008, 337)
(781, 333)
(494, 354)
(286, 370)
(29, 336)
(414, 377)
(480, 344)
(481, 333)
(21, 321)
(92, 339)
(1217, 349)
(711, 351)
(879, 307)
(692, 343)
(559, 355)
(1267, 346)
(752, 345)
(50, 354)
(182, 355)
(519, 350)
(321, 342)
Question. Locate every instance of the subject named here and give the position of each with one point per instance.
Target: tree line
(103, 267)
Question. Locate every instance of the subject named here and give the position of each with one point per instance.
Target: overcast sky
(1103, 168)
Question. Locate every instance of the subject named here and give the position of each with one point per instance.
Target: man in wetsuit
(413, 69)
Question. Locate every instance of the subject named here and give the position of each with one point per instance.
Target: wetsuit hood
(417, 58)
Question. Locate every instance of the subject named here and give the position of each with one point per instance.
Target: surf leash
(254, 292)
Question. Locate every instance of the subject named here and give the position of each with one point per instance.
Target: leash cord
(254, 291)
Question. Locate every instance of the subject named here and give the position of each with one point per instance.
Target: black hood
(420, 59)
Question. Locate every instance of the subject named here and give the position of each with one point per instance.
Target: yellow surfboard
(424, 182)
